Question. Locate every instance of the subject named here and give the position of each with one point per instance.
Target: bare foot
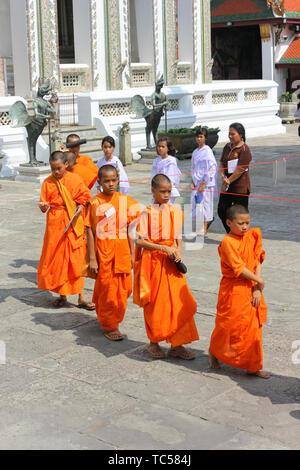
(264, 374)
(213, 361)
(155, 351)
(60, 302)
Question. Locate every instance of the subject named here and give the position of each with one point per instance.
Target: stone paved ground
(65, 386)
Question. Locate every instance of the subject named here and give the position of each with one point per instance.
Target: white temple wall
(20, 52)
(251, 102)
(280, 77)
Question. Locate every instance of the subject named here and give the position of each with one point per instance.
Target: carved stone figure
(152, 116)
(34, 124)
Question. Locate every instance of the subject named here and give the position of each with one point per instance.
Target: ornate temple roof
(292, 8)
(292, 54)
(253, 11)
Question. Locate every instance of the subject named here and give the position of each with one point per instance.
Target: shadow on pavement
(86, 330)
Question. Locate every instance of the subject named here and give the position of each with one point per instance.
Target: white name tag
(110, 212)
(232, 164)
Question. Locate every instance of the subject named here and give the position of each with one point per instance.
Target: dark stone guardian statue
(152, 116)
(34, 124)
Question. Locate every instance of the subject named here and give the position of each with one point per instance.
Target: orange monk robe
(87, 162)
(109, 218)
(169, 306)
(63, 253)
(88, 176)
(237, 337)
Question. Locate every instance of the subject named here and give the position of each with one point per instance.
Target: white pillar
(97, 40)
(158, 38)
(25, 47)
(124, 39)
(267, 50)
(267, 61)
(197, 30)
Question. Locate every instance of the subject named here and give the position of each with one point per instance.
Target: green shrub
(191, 130)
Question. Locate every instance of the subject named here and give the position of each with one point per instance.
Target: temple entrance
(66, 31)
(237, 53)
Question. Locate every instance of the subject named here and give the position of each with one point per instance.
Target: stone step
(74, 129)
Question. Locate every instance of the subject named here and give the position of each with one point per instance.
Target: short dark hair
(171, 147)
(158, 179)
(72, 136)
(110, 140)
(58, 155)
(71, 157)
(106, 168)
(234, 210)
(240, 129)
(201, 131)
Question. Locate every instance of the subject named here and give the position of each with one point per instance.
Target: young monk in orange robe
(83, 160)
(84, 172)
(63, 253)
(111, 251)
(241, 309)
(169, 306)
(88, 179)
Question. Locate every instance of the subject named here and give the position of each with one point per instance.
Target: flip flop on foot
(263, 374)
(182, 353)
(114, 335)
(60, 302)
(155, 351)
(87, 305)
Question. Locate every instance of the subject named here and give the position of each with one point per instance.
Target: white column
(268, 65)
(124, 39)
(25, 49)
(158, 38)
(197, 29)
(97, 40)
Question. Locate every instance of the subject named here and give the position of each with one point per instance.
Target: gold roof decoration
(277, 5)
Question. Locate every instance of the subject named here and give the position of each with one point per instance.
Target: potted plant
(288, 107)
(184, 139)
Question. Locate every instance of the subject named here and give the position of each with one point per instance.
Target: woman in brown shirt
(234, 172)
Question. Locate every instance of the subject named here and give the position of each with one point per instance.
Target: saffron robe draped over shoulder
(109, 218)
(237, 337)
(88, 163)
(63, 253)
(169, 306)
(88, 175)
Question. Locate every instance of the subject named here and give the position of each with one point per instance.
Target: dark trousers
(227, 200)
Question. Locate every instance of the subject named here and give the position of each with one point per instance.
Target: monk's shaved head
(159, 179)
(235, 210)
(72, 137)
(107, 168)
(55, 156)
(71, 157)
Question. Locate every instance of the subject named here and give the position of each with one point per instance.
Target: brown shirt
(243, 154)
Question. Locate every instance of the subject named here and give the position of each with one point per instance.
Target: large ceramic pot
(288, 111)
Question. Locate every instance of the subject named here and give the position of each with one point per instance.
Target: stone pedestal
(145, 153)
(33, 174)
(125, 145)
